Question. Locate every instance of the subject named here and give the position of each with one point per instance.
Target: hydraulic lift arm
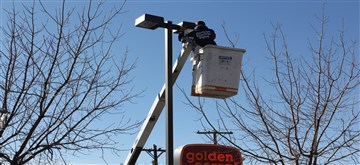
(156, 108)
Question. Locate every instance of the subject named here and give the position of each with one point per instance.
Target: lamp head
(148, 21)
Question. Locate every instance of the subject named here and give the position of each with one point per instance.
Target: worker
(200, 36)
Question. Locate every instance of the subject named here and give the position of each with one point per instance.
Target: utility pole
(214, 134)
(154, 155)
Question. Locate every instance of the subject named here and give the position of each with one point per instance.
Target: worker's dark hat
(200, 23)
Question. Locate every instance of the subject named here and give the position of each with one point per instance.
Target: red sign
(207, 154)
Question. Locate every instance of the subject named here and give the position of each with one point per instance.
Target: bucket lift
(217, 75)
(216, 71)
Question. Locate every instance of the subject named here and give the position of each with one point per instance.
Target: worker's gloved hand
(183, 40)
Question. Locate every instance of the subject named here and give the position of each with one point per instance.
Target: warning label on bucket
(225, 60)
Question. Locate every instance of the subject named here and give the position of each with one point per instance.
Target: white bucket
(217, 73)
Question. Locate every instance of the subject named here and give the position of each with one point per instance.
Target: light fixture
(148, 21)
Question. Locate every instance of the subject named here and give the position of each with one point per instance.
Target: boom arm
(156, 108)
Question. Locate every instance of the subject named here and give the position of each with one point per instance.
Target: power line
(214, 134)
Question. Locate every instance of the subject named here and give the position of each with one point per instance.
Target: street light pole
(169, 95)
(165, 97)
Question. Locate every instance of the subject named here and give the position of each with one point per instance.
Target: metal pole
(169, 95)
(215, 140)
(155, 156)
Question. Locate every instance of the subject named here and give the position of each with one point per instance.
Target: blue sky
(250, 19)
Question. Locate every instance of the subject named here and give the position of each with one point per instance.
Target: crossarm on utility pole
(156, 108)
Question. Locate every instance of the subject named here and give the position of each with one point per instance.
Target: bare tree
(312, 114)
(58, 77)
